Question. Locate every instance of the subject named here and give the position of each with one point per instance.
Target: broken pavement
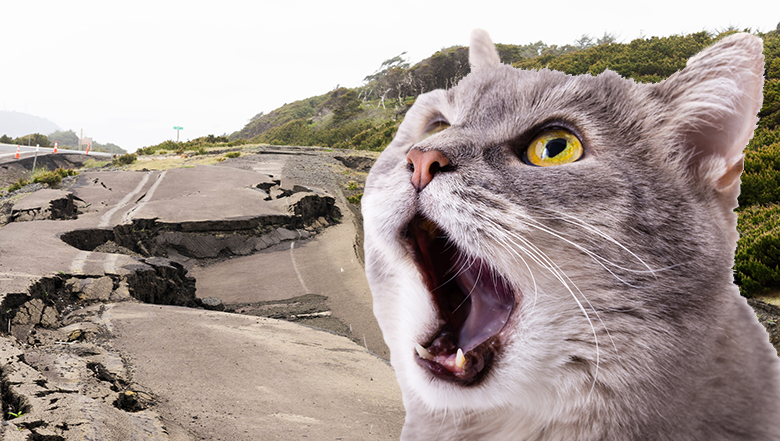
(95, 349)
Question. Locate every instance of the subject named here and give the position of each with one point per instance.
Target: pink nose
(426, 165)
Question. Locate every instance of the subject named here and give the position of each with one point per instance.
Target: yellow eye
(554, 147)
(433, 129)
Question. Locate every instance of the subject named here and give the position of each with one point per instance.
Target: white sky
(128, 72)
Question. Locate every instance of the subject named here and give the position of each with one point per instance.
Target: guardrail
(11, 148)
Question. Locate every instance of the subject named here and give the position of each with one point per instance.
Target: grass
(94, 163)
(772, 297)
(167, 163)
(203, 155)
(352, 185)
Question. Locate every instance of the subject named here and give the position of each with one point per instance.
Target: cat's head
(523, 225)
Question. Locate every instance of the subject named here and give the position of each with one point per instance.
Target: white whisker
(574, 220)
(546, 262)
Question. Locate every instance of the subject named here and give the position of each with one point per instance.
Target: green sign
(178, 128)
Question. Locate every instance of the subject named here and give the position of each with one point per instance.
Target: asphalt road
(217, 375)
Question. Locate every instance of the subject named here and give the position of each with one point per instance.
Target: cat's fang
(460, 360)
(422, 352)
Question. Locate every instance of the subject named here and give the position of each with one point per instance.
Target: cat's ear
(715, 101)
(482, 51)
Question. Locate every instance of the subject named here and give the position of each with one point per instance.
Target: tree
(33, 139)
(65, 138)
(606, 39)
(584, 42)
(397, 62)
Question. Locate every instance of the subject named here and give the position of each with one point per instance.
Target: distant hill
(15, 124)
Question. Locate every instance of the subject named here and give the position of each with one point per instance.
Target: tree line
(63, 138)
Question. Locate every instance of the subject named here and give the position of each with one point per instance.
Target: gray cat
(550, 255)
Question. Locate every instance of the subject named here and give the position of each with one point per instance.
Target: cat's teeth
(460, 359)
(422, 352)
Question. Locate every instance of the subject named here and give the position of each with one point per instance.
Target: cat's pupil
(554, 147)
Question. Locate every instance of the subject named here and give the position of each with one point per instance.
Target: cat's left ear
(482, 51)
(716, 99)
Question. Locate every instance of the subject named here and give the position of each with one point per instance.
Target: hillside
(367, 118)
(16, 124)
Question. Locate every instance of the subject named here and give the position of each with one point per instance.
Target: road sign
(177, 128)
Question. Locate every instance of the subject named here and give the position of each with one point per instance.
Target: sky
(128, 72)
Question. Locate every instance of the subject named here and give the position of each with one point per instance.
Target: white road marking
(295, 267)
(105, 220)
(77, 266)
(127, 218)
(109, 265)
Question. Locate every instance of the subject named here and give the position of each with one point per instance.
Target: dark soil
(10, 172)
(769, 316)
(308, 309)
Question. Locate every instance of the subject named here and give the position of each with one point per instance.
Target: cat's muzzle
(473, 300)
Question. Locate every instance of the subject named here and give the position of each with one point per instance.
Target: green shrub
(52, 178)
(355, 199)
(761, 178)
(17, 185)
(233, 154)
(375, 138)
(65, 172)
(152, 149)
(196, 145)
(126, 159)
(770, 109)
(757, 261)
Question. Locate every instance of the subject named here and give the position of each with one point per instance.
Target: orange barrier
(88, 146)
(55, 146)
(17, 151)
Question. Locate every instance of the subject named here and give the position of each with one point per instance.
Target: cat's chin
(474, 303)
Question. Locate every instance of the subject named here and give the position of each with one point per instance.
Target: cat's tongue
(474, 301)
(491, 304)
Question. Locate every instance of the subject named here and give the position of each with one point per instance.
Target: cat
(550, 255)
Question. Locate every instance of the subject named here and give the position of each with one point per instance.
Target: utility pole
(35, 161)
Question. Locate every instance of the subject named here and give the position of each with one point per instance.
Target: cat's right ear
(482, 51)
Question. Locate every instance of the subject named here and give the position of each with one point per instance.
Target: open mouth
(473, 300)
